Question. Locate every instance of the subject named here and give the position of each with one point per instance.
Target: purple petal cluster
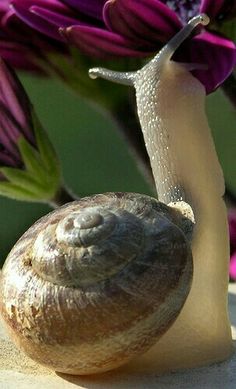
(11, 49)
(134, 28)
(232, 232)
(20, 45)
(15, 118)
(29, 167)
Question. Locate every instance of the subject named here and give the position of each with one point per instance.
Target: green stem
(63, 196)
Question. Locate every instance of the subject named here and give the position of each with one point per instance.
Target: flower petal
(144, 20)
(99, 42)
(214, 51)
(91, 8)
(232, 267)
(13, 96)
(18, 56)
(55, 5)
(36, 22)
(27, 13)
(4, 7)
(232, 229)
(9, 134)
(57, 19)
(7, 159)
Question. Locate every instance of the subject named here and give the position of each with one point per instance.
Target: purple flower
(29, 168)
(15, 118)
(232, 232)
(20, 45)
(135, 28)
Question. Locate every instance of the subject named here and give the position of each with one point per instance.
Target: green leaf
(41, 178)
(22, 179)
(42, 172)
(31, 158)
(47, 152)
(15, 192)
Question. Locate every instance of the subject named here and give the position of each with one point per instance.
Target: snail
(103, 281)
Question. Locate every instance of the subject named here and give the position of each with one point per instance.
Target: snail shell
(96, 282)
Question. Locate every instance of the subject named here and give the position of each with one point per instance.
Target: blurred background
(93, 155)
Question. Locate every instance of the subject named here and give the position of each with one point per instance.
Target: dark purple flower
(232, 232)
(232, 269)
(12, 51)
(29, 168)
(15, 118)
(134, 28)
(20, 45)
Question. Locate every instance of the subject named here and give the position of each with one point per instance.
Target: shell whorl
(87, 246)
(95, 313)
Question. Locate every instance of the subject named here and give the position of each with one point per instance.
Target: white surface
(17, 371)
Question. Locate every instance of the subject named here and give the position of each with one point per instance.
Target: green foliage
(40, 178)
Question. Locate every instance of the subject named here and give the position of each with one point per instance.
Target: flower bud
(29, 167)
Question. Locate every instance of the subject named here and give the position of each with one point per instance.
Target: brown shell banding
(66, 254)
(102, 325)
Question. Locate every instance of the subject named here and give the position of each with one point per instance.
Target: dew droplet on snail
(99, 281)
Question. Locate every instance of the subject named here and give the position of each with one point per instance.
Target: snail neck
(185, 166)
(177, 136)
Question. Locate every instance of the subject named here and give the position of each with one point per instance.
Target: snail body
(171, 110)
(97, 281)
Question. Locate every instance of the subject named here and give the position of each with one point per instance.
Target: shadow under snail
(95, 283)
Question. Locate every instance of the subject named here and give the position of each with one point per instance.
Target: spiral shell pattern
(87, 246)
(96, 282)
